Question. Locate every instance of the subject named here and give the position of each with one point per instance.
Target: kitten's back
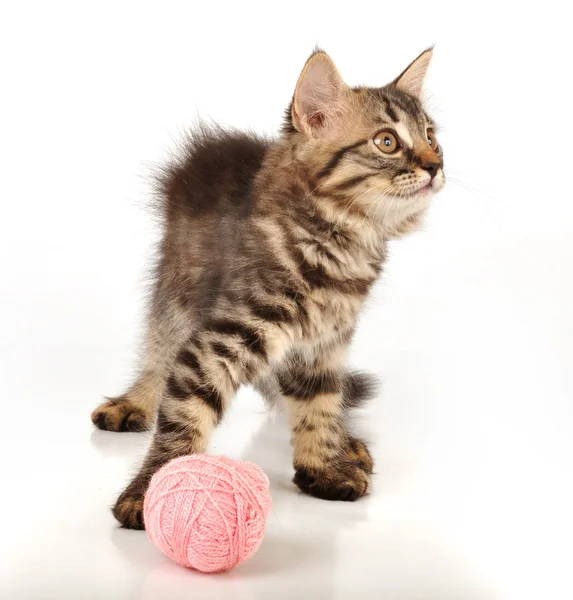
(214, 172)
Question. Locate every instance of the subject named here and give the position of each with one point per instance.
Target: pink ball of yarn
(207, 512)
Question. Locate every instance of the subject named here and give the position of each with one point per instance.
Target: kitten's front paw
(128, 510)
(342, 481)
(120, 414)
(358, 452)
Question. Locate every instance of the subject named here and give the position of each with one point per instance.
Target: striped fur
(269, 251)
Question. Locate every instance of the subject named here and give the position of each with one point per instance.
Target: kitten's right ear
(412, 77)
(318, 96)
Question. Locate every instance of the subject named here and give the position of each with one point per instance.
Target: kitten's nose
(431, 166)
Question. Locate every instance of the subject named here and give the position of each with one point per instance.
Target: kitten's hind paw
(120, 414)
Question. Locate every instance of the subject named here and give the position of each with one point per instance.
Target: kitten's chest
(329, 314)
(337, 287)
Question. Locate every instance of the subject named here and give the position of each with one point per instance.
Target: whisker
(472, 189)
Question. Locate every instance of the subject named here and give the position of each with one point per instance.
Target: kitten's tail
(358, 387)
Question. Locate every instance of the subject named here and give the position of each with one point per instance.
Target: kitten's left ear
(412, 78)
(318, 96)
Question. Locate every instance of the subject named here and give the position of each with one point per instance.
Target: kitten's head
(376, 146)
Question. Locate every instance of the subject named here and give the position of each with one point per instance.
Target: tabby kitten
(269, 250)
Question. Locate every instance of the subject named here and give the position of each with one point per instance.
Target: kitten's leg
(329, 462)
(135, 409)
(200, 386)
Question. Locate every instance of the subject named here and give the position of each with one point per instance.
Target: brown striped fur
(269, 250)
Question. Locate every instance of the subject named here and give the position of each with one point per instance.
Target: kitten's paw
(120, 414)
(128, 510)
(358, 453)
(342, 481)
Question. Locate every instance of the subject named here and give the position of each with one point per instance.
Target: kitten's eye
(387, 141)
(433, 141)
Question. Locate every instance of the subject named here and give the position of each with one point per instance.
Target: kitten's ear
(318, 95)
(412, 78)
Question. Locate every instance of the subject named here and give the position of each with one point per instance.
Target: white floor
(472, 496)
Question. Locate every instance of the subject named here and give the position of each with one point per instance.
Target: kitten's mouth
(427, 189)
(422, 191)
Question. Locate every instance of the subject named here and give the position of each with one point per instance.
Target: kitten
(269, 250)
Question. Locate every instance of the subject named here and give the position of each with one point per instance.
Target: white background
(470, 328)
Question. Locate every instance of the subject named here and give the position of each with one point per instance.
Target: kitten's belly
(328, 319)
